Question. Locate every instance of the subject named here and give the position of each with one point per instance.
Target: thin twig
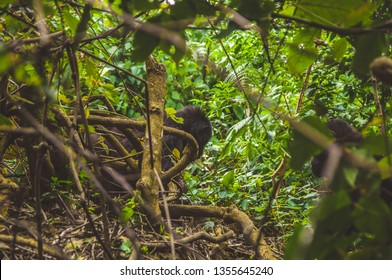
(378, 106)
(303, 90)
(167, 214)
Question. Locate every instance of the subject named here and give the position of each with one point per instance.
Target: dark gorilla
(344, 133)
(195, 123)
(191, 120)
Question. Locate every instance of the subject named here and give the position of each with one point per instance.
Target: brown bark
(152, 155)
(229, 214)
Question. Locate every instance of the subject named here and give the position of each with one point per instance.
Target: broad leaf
(302, 51)
(144, 45)
(367, 46)
(335, 12)
(302, 148)
(339, 49)
(186, 9)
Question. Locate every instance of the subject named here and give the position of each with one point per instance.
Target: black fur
(196, 123)
(344, 133)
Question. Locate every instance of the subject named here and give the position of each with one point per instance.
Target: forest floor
(67, 233)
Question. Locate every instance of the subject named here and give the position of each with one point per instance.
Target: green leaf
(127, 212)
(374, 217)
(298, 244)
(171, 113)
(5, 3)
(176, 153)
(70, 20)
(91, 129)
(339, 49)
(175, 95)
(350, 174)
(302, 148)
(144, 44)
(385, 167)
(256, 9)
(376, 144)
(126, 247)
(28, 74)
(302, 51)
(145, 5)
(333, 203)
(186, 9)
(91, 68)
(335, 12)
(4, 120)
(175, 52)
(300, 59)
(228, 179)
(116, 5)
(8, 60)
(238, 129)
(238, 111)
(13, 25)
(367, 47)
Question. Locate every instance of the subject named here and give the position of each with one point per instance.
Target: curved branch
(119, 148)
(55, 252)
(101, 97)
(192, 238)
(385, 27)
(232, 215)
(19, 42)
(190, 154)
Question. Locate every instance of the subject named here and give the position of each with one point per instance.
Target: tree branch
(385, 27)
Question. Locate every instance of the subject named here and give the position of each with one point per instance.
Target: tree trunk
(152, 155)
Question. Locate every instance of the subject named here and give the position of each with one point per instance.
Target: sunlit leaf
(339, 49)
(335, 12)
(228, 178)
(176, 153)
(302, 51)
(171, 113)
(91, 68)
(70, 20)
(4, 120)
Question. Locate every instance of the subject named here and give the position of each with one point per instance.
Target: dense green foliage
(246, 64)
